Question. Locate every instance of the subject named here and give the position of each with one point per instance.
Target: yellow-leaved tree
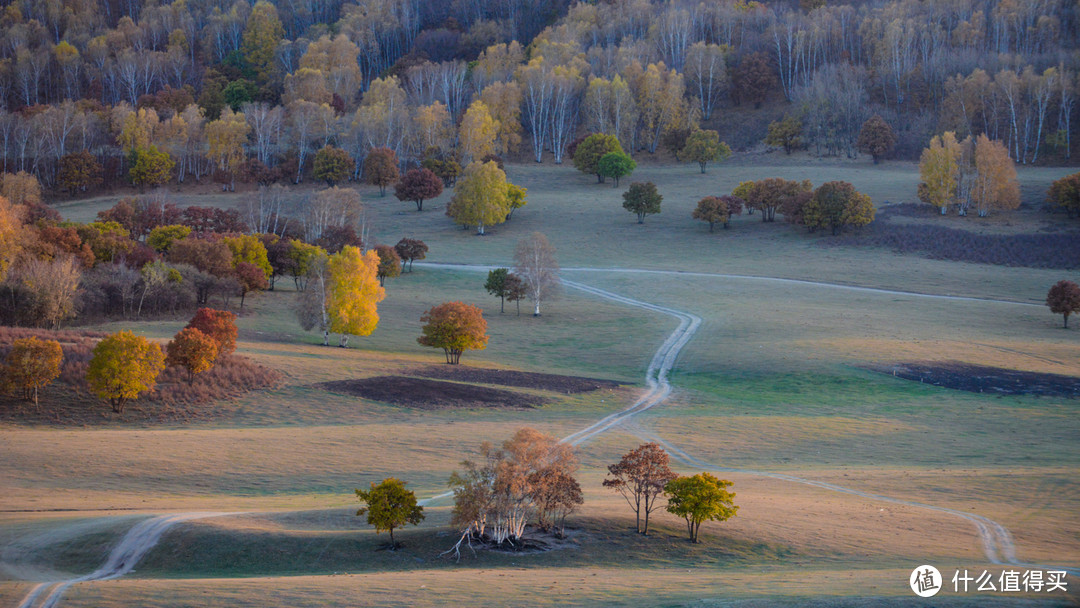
(124, 366)
(10, 229)
(939, 168)
(478, 132)
(225, 139)
(995, 180)
(353, 293)
(480, 197)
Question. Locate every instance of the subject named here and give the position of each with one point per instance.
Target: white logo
(925, 581)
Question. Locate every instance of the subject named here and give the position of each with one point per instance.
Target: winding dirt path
(997, 542)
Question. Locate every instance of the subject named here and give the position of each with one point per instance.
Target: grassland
(774, 381)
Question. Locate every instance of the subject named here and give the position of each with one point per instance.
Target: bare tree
(535, 264)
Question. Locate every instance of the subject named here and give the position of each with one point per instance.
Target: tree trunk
(710, 227)
(536, 313)
(502, 303)
(702, 168)
(1066, 315)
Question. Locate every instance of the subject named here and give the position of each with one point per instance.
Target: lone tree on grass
(616, 165)
(417, 186)
(481, 197)
(122, 367)
(192, 350)
(389, 506)
(640, 477)
(700, 498)
(535, 265)
(704, 146)
(876, 138)
(1064, 299)
(31, 365)
(642, 199)
(454, 327)
(588, 153)
(717, 210)
(409, 250)
(381, 168)
(332, 165)
(389, 263)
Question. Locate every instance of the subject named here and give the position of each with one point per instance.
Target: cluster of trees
(643, 475)
(529, 478)
(972, 172)
(180, 89)
(124, 366)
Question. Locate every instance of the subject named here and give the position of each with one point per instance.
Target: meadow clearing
(775, 380)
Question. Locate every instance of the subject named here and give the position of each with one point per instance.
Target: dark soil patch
(532, 380)
(431, 394)
(68, 400)
(984, 379)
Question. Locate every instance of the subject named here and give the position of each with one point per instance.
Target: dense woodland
(163, 92)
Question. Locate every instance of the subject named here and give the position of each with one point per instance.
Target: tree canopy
(704, 146)
(124, 366)
(640, 476)
(642, 199)
(389, 505)
(1064, 299)
(480, 197)
(700, 498)
(454, 327)
(594, 147)
(31, 364)
(418, 185)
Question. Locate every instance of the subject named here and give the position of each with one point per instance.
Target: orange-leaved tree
(389, 263)
(640, 477)
(219, 326)
(454, 327)
(192, 350)
(32, 364)
(995, 181)
(122, 367)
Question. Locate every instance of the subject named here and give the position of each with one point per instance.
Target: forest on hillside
(91, 89)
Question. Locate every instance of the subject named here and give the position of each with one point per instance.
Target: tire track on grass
(122, 558)
(998, 544)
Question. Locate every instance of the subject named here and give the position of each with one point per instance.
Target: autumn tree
(615, 165)
(352, 294)
(755, 78)
(589, 152)
(31, 365)
(786, 134)
(939, 169)
(409, 250)
(248, 248)
(700, 498)
(332, 165)
(192, 350)
(21, 188)
(219, 326)
(770, 194)
(150, 167)
(250, 278)
(381, 168)
(876, 138)
(480, 197)
(454, 327)
(417, 186)
(536, 267)
(263, 33)
(995, 184)
(79, 172)
(1065, 193)
(50, 290)
(516, 290)
(478, 132)
(640, 477)
(704, 146)
(1064, 299)
(161, 238)
(836, 205)
(642, 199)
(388, 506)
(225, 139)
(717, 210)
(389, 263)
(124, 366)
